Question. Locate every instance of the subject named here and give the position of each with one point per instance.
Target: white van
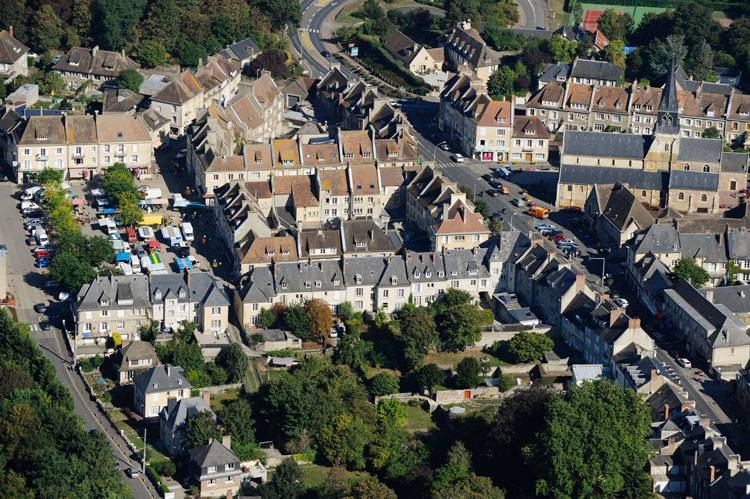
(187, 231)
(135, 263)
(41, 237)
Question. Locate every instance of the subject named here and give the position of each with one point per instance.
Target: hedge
(379, 57)
(156, 479)
(714, 4)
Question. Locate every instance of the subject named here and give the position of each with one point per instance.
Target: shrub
(165, 468)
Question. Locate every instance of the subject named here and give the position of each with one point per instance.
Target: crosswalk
(308, 30)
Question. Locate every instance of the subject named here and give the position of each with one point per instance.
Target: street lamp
(510, 220)
(603, 264)
(434, 150)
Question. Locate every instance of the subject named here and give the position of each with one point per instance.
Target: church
(663, 170)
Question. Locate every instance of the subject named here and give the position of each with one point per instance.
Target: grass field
(453, 358)
(418, 419)
(639, 11)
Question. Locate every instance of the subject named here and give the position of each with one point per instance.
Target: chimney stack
(712, 474)
(614, 315)
(709, 294)
(666, 412)
(226, 441)
(634, 323)
(580, 282)
(169, 370)
(10, 30)
(94, 50)
(206, 396)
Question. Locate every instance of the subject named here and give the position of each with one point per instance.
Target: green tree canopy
(46, 29)
(383, 384)
(459, 321)
(233, 360)
(130, 79)
(615, 25)
(344, 440)
(49, 176)
(593, 444)
(296, 319)
(286, 482)
(687, 269)
(711, 133)
(427, 377)
(266, 318)
(455, 478)
(417, 335)
(237, 419)
(500, 83)
(114, 21)
(529, 347)
(468, 373)
(201, 428)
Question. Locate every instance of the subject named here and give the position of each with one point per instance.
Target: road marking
(323, 3)
(306, 42)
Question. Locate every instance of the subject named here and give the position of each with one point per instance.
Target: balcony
(40, 157)
(78, 155)
(120, 154)
(527, 148)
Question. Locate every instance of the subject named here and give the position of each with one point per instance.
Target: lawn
(640, 12)
(453, 358)
(346, 17)
(418, 419)
(219, 400)
(315, 475)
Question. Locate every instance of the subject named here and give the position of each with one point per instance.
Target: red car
(557, 237)
(43, 253)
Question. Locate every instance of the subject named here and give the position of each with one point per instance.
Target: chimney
(709, 294)
(614, 314)
(94, 50)
(169, 370)
(580, 282)
(200, 62)
(122, 53)
(634, 323)
(666, 411)
(206, 396)
(10, 30)
(226, 441)
(711, 474)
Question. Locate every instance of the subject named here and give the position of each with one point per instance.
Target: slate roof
(735, 298)
(184, 409)
(659, 238)
(121, 100)
(694, 181)
(735, 162)
(204, 289)
(425, 267)
(588, 175)
(108, 289)
(257, 286)
(599, 70)
(214, 454)
(394, 274)
(137, 350)
(471, 46)
(622, 207)
(308, 276)
(10, 48)
(617, 145)
(95, 62)
(356, 233)
(245, 49)
(706, 246)
(465, 263)
(367, 269)
(556, 72)
(705, 150)
(738, 244)
(157, 380)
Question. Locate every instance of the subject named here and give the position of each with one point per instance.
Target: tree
(51, 83)
(159, 26)
(615, 25)
(496, 225)
(281, 12)
(391, 414)
(458, 320)
(593, 444)
(114, 21)
(711, 133)
(320, 317)
(237, 419)
(370, 488)
(118, 179)
(70, 271)
(455, 478)
(346, 311)
(130, 79)
(417, 335)
(297, 320)
(129, 205)
(428, 377)
(529, 347)
(383, 384)
(98, 250)
(49, 176)
(482, 208)
(266, 318)
(46, 29)
(615, 53)
(500, 83)
(189, 53)
(673, 47)
(468, 373)
(701, 61)
(233, 360)
(350, 350)
(286, 482)
(561, 49)
(577, 14)
(151, 53)
(201, 428)
(687, 269)
(343, 441)
(271, 60)
(82, 19)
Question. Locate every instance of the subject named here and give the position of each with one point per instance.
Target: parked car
(563, 242)
(32, 221)
(29, 205)
(518, 203)
(622, 302)
(133, 473)
(40, 308)
(685, 363)
(43, 263)
(44, 325)
(544, 225)
(458, 158)
(445, 146)
(32, 213)
(557, 237)
(31, 241)
(488, 178)
(494, 193)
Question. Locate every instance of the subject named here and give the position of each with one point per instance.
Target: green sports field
(639, 11)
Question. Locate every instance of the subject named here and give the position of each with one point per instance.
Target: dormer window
(158, 294)
(648, 108)
(358, 279)
(686, 167)
(318, 284)
(361, 244)
(284, 285)
(417, 273)
(473, 272)
(365, 154)
(182, 293)
(428, 274)
(119, 135)
(308, 284)
(441, 273)
(349, 155)
(394, 280)
(454, 273)
(336, 282)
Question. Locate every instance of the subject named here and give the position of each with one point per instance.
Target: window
(385, 293)
(454, 284)
(643, 194)
(229, 467)
(732, 185)
(228, 479)
(681, 196)
(686, 167)
(704, 197)
(211, 469)
(401, 293)
(706, 168)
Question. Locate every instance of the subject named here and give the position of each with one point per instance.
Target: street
(26, 282)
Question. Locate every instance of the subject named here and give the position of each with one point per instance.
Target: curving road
(534, 13)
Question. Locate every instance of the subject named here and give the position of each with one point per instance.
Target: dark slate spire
(667, 119)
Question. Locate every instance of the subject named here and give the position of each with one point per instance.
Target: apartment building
(81, 64)
(267, 101)
(154, 388)
(122, 304)
(180, 101)
(530, 141)
(371, 282)
(464, 47)
(220, 79)
(13, 56)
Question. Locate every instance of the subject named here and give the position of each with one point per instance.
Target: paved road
(307, 39)
(533, 12)
(25, 281)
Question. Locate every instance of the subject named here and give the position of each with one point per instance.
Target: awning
(77, 202)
